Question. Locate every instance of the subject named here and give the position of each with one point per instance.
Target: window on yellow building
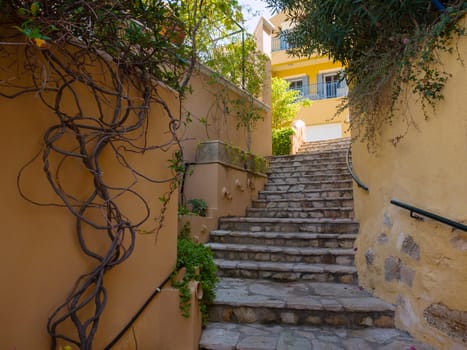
(300, 84)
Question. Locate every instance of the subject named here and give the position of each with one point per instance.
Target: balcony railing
(322, 91)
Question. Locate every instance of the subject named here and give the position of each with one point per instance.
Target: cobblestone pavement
(228, 336)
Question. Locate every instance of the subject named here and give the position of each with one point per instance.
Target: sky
(259, 9)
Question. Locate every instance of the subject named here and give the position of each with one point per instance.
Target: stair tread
(309, 168)
(304, 199)
(288, 220)
(279, 249)
(301, 281)
(284, 267)
(318, 190)
(220, 336)
(297, 295)
(349, 180)
(302, 209)
(311, 159)
(289, 235)
(307, 154)
(303, 177)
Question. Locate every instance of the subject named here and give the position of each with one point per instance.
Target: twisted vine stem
(73, 52)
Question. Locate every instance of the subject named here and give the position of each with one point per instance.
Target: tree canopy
(383, 45)
(227, 61)
(286, 103)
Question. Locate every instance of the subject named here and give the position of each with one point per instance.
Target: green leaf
(35, 6)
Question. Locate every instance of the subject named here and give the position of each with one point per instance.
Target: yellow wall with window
(311, 72)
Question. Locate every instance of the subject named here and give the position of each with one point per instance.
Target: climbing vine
(100, 68)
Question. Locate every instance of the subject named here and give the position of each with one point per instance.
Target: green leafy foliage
(212, 20)
(141, 35)
(198, 261)
(242, 65)
(286, 103)
(246, 112)
(281, 141)
(383, 44)
(198, 206)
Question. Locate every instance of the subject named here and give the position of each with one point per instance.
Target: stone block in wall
(392, 268)
(395, 269)
(459, 241)
(409, 247)
(370, 256)
(407, 275)
(382, 238)
(387, 221)
(449, 321)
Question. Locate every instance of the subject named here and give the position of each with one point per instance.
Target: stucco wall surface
(41, 258)
(322, 112)
(212, 109)
(419, 265)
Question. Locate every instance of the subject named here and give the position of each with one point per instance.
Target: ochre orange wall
(41, 259)
(426, 169)
(213, 117)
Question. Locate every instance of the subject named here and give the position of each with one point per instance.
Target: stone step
(326, 145)
(233, 336)
(312, 149)
(309, 185)
(309, 171)
(253, 252)
(288, 225)
(286, 271)
(298, 303)
(339, 155)
(285, 239)
(315, 166)
(311, 213)
(320, 203)
(293, 179)
(314, 163)
(305, 194)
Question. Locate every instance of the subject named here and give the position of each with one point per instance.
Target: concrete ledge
(216, 151)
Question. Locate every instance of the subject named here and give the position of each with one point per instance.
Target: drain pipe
(439, 6)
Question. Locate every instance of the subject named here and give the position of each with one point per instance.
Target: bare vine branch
(118, 54)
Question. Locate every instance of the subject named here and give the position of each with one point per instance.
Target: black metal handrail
(414, 210)
(138, 313)
(354, 177)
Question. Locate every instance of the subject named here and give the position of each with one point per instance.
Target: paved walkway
(288, 278)
(229, 336)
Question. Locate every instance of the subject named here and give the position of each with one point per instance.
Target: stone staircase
(288, 279)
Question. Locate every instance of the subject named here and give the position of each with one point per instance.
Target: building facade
(317, 78)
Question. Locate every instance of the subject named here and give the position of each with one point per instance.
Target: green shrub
(198, 261)
(281, 141)
(198, 206)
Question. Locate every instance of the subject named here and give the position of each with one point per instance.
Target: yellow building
(318, 78)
